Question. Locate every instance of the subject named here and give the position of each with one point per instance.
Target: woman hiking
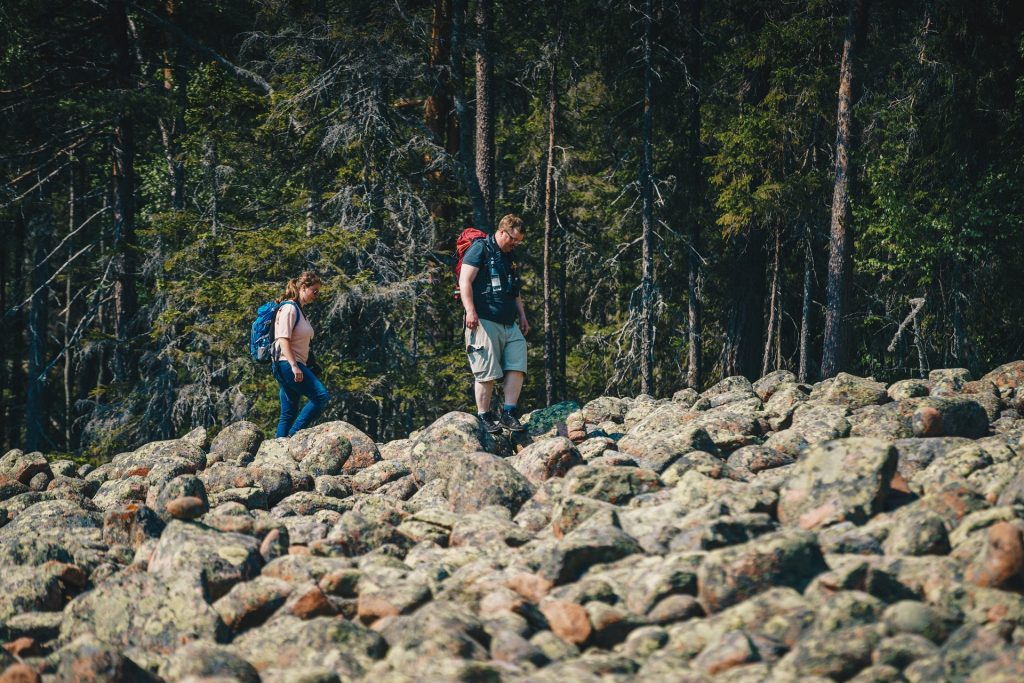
(292, 334)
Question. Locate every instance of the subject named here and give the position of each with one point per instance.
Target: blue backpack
(261, 336)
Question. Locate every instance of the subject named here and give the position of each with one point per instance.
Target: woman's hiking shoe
(510, 422)
(490, 424)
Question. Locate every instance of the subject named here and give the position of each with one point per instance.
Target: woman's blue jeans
(292, 420)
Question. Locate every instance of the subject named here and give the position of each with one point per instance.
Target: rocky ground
(772, 531)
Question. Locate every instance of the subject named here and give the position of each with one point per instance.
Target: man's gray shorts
(495, 349)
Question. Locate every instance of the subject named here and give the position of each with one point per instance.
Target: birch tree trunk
(485, 107)
(834, 351)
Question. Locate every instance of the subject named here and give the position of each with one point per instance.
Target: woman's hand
(297, 372)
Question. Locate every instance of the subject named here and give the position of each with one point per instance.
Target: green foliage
(336, 171)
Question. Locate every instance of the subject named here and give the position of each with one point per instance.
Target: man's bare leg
(512, 386)
(482, 392)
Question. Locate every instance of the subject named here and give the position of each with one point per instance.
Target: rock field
(774, 531)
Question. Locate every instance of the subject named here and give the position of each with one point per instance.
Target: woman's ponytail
(305, 279)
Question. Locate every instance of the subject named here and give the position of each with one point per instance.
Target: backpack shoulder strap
(297, 308)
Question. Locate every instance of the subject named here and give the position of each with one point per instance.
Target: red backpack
(466, 239)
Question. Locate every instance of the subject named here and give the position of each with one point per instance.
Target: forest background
(709, 190)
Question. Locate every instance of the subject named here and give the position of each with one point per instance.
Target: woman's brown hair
(305, 279)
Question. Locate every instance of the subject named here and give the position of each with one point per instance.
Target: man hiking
(495, 321)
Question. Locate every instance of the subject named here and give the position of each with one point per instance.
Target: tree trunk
(173, 127)
(437, 109)
(36, 413)
(549, 222)
(647, 215)
(741, 350)
(465, 125)
(123, 203)
(804, 369)
(72, 198)
(485, 107)
(4, 384)
(313, 205)
(771, 339)
(833, 355)
(210, 163)
(694, 372)
(563, 392)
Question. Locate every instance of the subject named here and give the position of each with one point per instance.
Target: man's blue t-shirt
(494, 288)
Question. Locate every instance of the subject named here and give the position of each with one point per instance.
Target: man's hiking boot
(490, 424)
(510, 422)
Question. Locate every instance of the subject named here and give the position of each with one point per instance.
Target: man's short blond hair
(510, 223)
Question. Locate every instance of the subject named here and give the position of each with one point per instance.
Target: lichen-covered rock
(131, 525)
(617, 485)
(332, 448)
(1007, 378)
(919, 618)
(53, 530)
(250, 603)
(213, 559)
(479, 479)
(914, 455)
(289, 642)
(855, 392)
(22, 467)
(1002, 565)
(908, 388)
(665, 435)
(840, 480)
(184, 486)
(546, 458)
(236, 444)
(940, 416)
(208, 660)
(837, 655)
(441, 444)
(88, 659)
(766, 387)
(145, 611)
(548, 420)
(605, 409)
(565, 559)
(785, 558)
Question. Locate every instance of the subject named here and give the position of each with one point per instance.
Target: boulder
(22, 467)
(547, 458)
(438, 447)
(837, 481)
(1007, 379)
(605, 409)
(211, 559)
(207, 660)
(479, 479)
(156, 613)
(789, 558)
(341, 646)
(236, 444)
(549, 420)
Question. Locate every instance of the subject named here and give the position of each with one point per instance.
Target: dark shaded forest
(709, 189)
